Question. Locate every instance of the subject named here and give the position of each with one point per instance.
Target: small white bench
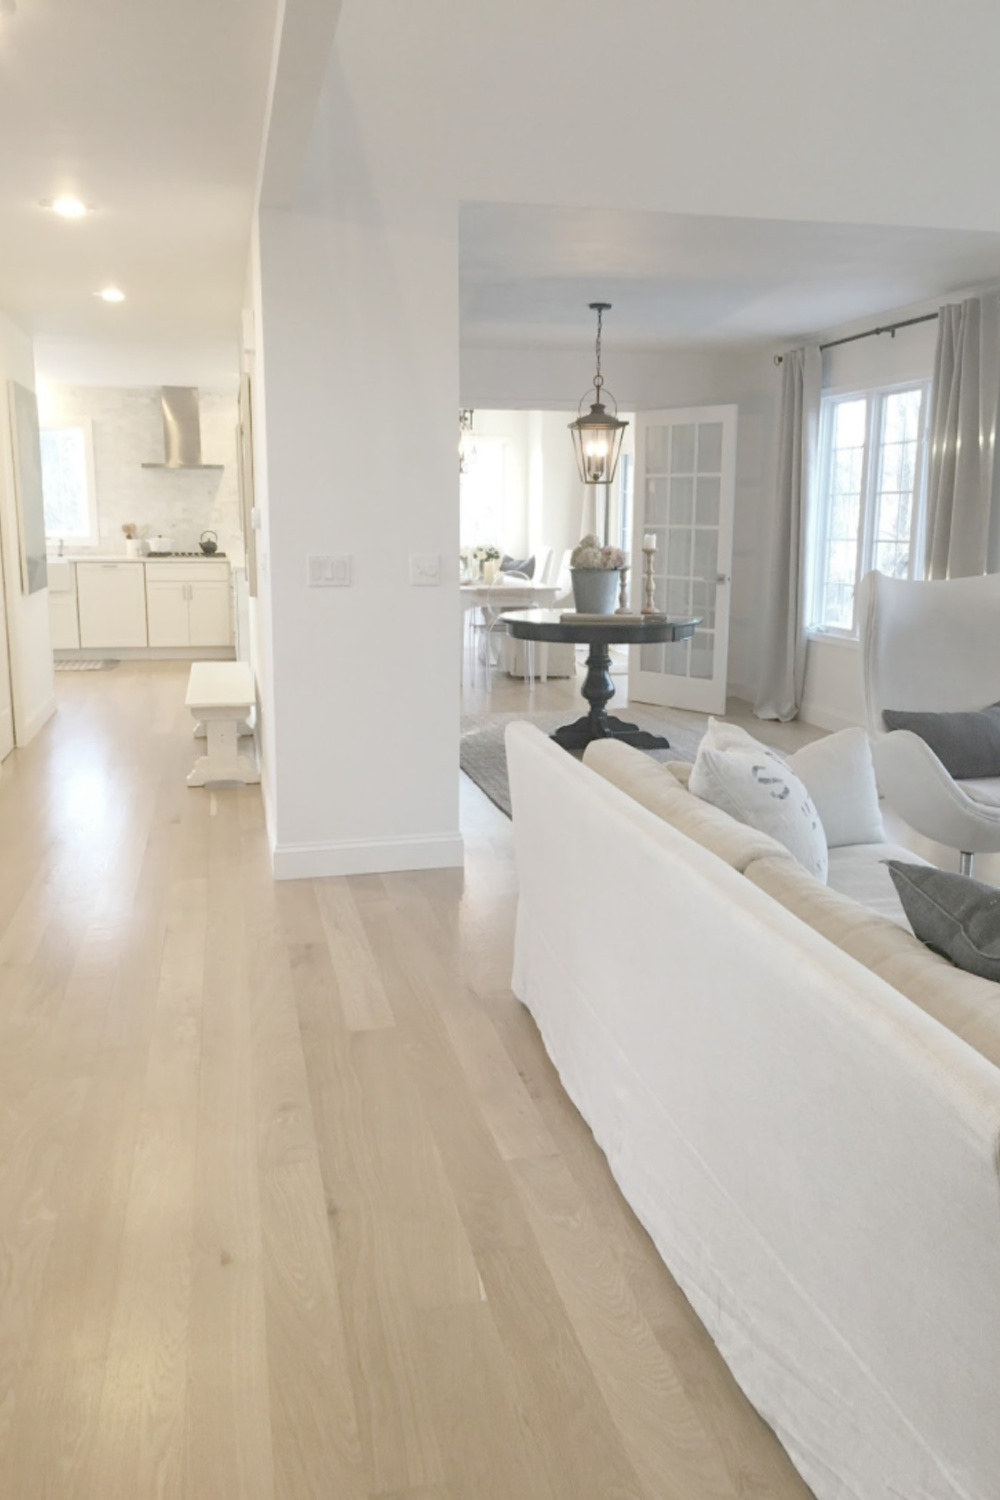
(221, 697)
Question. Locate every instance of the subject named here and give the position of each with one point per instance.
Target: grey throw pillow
(525, 565)
(956, 916)
(967, 745)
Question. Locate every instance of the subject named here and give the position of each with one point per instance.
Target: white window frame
(816, 555)
(86, 426)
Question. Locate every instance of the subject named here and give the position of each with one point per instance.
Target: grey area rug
(483, 756)
(75, 664)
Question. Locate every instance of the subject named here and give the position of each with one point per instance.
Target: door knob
(722, 578)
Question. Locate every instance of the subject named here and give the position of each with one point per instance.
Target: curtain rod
(871, 333)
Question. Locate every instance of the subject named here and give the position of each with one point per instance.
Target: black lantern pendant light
(597, 437)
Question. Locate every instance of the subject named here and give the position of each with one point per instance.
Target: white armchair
(932, 647)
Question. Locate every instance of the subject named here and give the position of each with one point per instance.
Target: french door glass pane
(657, 450)
(709, 447)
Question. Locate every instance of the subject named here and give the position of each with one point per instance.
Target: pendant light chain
(599, 379)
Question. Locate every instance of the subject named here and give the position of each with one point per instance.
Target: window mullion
(864, 534)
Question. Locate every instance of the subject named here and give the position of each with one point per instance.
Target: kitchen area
(145, 524)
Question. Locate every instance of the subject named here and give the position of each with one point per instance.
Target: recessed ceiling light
(68, 207)
(111, 294)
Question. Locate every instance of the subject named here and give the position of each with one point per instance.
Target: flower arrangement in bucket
(594, 570)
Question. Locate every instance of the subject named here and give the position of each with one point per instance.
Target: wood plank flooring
(292, 1205)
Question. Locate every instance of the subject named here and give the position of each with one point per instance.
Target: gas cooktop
(199, 553)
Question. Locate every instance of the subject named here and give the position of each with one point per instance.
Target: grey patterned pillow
(524, 565)
(953, 914)
(966, 744)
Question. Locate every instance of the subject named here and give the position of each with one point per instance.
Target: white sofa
(800, 1102)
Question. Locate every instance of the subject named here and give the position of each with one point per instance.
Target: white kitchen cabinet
(188, 604)
(111, 600)
(210, 613)
(167, 612)
(64, 623)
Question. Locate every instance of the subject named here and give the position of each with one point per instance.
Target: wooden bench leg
(222, 762)
(200, 730)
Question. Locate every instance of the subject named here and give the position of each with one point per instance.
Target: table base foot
(579, 735)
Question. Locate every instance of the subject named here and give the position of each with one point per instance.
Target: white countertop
(119, 557)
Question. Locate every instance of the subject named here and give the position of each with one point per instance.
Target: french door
(685, 485)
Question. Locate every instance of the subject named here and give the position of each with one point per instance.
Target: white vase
(595, 590)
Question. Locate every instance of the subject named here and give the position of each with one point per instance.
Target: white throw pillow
(839, 776)
(755, 785)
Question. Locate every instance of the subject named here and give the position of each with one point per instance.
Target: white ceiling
(153, 112)
(528, 273)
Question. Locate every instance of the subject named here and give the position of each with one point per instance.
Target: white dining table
(508, 593)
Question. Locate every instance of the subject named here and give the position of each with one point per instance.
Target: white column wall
(360, 341)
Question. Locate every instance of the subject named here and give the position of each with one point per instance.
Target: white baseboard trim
(25, 731)
(823, 718)
(367, 856)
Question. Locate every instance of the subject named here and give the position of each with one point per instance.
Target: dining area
(541, 581)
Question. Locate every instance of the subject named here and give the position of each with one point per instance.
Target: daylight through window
(870, 497)
(66, 483)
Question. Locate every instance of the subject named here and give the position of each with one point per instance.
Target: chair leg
(965, 861)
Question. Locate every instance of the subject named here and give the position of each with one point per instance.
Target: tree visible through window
(66, 483)
(870, 497)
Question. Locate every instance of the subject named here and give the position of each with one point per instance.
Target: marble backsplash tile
(127, 431)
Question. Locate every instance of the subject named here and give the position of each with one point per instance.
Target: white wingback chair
(932, 647)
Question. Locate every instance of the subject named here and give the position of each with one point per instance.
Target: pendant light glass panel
(597, 441)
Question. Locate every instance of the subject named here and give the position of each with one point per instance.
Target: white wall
(32, 678)
(428, 106)
(832, 697)
(127, 429)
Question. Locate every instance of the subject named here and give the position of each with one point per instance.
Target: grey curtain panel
(784, 641)
(963, 514)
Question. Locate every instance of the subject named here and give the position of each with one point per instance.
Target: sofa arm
(913, 780)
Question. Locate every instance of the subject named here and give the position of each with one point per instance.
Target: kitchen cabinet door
(167, 612)
(209, 614)
(111, 598)
(63, 623)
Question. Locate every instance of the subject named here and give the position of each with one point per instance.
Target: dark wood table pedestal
(598, 687)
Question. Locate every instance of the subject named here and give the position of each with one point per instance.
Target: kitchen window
(68, 483)
(870, 498)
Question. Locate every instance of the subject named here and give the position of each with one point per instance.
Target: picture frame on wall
(26, 448)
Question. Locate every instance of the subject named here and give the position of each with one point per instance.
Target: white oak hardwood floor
(292, 1205)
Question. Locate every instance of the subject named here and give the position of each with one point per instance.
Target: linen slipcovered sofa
(800, 1102)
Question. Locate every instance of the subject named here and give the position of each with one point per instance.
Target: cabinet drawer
(187, 571)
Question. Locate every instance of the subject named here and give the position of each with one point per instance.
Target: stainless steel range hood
(181, 430)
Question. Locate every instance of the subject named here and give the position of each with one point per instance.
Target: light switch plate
(425, 568)
(329, 570)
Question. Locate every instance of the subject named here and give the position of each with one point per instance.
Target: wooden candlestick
(623, 590)
(648, 607)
